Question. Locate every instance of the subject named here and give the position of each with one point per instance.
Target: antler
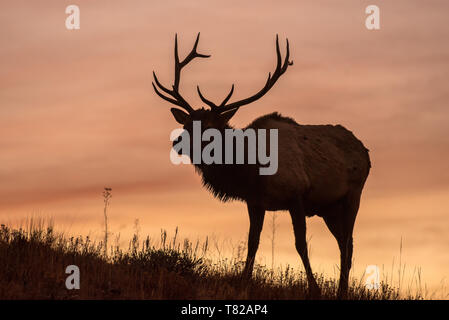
(280, 70)
(175, 96)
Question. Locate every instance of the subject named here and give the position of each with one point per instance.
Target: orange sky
(77, 113)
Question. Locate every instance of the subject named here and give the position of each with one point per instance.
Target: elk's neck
(227, 181)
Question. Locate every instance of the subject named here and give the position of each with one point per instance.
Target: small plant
(107, 195)
(273, 226)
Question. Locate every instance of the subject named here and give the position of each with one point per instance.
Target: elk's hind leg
(341, 224)
(256, 217)
(299, 227)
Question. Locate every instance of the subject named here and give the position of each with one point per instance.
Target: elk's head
(219, 114)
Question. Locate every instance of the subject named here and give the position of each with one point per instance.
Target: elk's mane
(221, 180)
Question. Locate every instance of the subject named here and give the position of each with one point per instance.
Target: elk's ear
(180, 116)
(226, 116)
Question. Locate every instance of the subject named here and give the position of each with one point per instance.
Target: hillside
(33, 264)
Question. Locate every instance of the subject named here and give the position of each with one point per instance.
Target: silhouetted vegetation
(33, 263)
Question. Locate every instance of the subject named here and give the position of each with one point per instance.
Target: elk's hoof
(342, 294)
(314, 292)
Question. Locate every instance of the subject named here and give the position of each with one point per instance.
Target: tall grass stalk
(107, 195)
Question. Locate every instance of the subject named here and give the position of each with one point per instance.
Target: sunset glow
(78, 113)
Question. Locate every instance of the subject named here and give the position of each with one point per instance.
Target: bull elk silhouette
(322, 169)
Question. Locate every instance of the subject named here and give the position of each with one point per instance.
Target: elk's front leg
(256, 217)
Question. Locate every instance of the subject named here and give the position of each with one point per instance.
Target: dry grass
(33, 262)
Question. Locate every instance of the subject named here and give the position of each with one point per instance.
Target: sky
(78, 113)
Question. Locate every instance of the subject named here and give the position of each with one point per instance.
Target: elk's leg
(341, 225)
(256, 217)
(299, 227)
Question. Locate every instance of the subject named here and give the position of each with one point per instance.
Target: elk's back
(319, 163)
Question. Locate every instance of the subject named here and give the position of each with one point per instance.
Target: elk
(322, 169)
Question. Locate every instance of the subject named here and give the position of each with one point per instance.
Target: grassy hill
(33, 264)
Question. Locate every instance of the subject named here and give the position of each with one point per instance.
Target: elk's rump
(318, 164)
